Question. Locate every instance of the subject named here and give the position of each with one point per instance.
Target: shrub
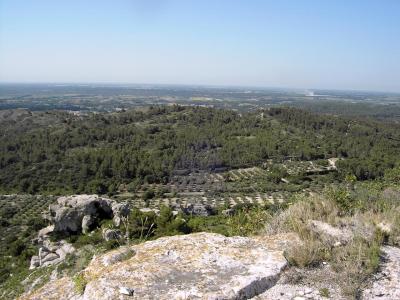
(36, 223)
(167, 224)
(247, 221)
(149, 194)
(324, 292)
(17, 248)
(80, 283)
(94, 238)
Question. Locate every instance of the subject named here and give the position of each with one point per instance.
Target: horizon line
(216, 86)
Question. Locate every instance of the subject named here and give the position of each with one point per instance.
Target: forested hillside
(58, 152)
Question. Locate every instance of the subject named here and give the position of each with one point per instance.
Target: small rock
(120, 210)
(386, 228)
(228, 212)
(150, 210)
(87, 222)
(121, 254)
(126, 291)
(49, 257)
(35, 262)
(198, 210)
(308, 291)
(111, 234)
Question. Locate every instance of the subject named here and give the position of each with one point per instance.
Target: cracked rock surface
(386, 284)
(194, 266)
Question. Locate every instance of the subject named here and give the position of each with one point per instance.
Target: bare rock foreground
(386, 285)
(195, 266)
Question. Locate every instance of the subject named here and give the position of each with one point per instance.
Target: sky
(337, 44)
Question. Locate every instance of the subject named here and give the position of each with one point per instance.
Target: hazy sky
(305, 44)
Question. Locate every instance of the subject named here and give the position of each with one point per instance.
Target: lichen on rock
(194, 266)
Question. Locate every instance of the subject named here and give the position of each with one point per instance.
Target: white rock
(80, 212)
(111, 234)
(126, 291)
(49, 257)
(35, 262)
(201, 266)
(387, 287)
(116, 256)
(386, 228)
(308, 291)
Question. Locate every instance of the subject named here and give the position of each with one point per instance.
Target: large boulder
(198, 209)
(195, 266)
(81, 213)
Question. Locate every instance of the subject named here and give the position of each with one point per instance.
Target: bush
(167, 224)
(36, 223)
(80, 283)
(247, 221)
(17, 248)
(343, 198)
(94, 238)
(149, 194)
(140, 225)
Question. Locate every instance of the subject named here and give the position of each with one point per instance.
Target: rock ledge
(195, 266)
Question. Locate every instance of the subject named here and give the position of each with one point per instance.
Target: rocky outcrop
(386, 283)
(198, 210)
(111, 234)
(330, 235)
(51, 253)
(82, 213)
(195, 266)
(75, 214)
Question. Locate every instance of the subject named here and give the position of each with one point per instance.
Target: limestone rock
(195, 266)
(45, 231)
(64, 249)
(198, 210)
(126, 291)
(120, 210)
(49, 257)
(330, 235)
(83, 212)
(385, 227)
(386, 285)
(150, 210)
(111, 234)
(228, 212)
(51, 253)
(35, 262)
(119, 255)
(63, 288)
(87, 222)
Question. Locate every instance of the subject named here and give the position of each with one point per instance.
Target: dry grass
(372, 215)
